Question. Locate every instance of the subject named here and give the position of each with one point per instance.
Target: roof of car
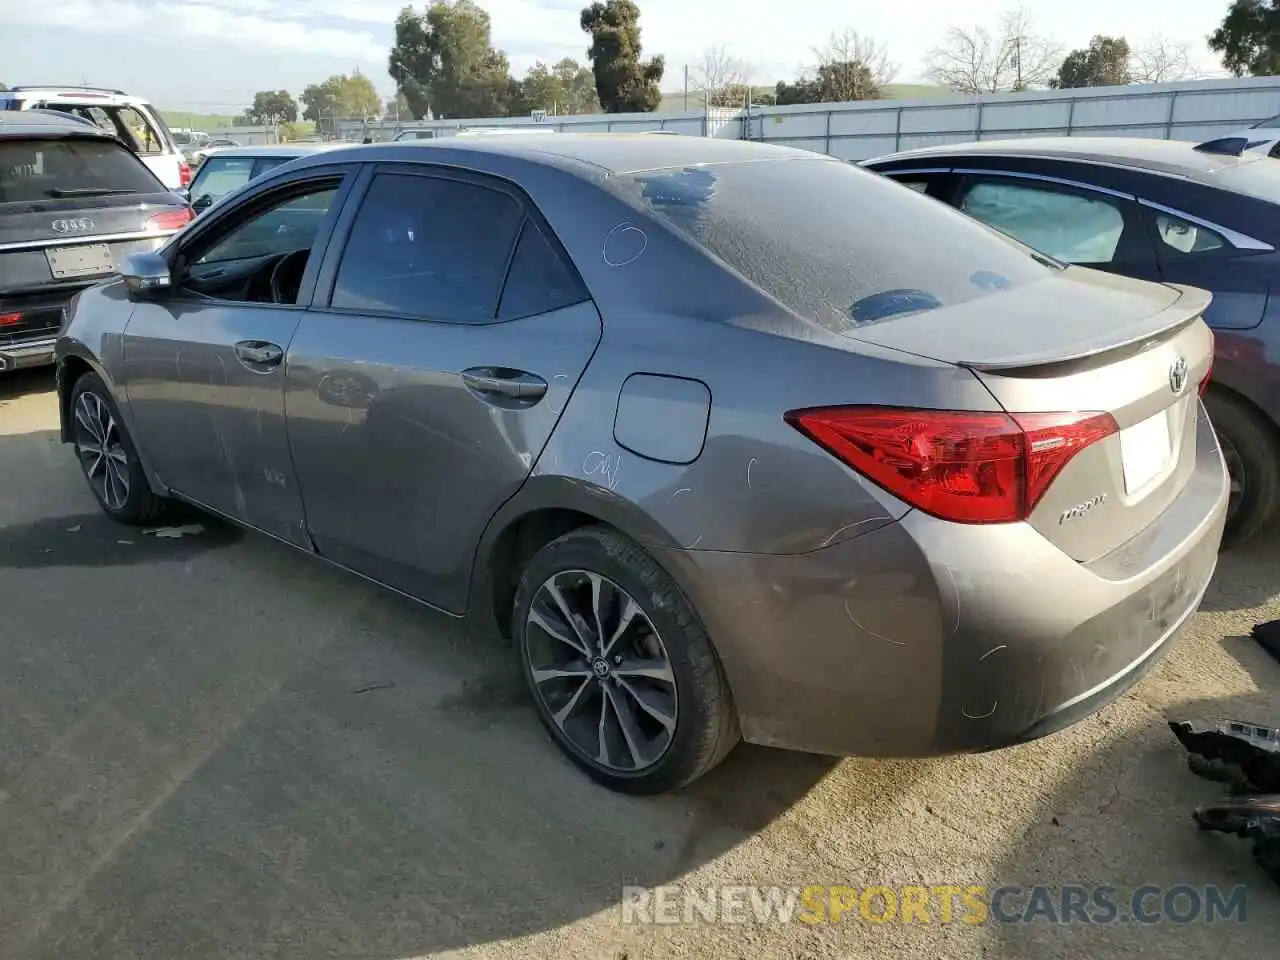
(72, 93)
(274, 149)
(27, 123)
(610, 152)
(1177, 157)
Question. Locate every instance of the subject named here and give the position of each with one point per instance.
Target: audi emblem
(1178, 375)
(73, 225)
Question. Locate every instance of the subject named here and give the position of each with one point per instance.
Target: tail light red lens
(966, 467)
(10, 319)
(184, 173)
(171, 219)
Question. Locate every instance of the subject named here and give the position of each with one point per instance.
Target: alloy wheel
(100, 448)
(601, 671)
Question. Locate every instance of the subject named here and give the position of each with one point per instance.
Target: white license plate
(1144, 451)
(88, 260)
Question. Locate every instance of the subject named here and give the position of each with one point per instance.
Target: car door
(1075, 223)
(203, 360)
(452, 333)
(1198, 253)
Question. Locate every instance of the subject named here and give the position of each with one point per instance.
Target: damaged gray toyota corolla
(733, 441)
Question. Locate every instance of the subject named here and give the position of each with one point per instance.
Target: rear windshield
(38, 169)
(835, 243)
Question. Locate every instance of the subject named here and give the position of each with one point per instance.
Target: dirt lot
(211, 746)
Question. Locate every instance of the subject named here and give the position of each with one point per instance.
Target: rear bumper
(36, 352)
(924, 638)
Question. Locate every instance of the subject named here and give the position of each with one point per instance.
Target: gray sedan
(730, 440)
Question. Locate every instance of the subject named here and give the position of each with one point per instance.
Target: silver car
(731, 440)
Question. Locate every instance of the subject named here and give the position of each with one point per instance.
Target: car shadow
(249, 753)
(1123, 819)
(95, 540)
(1248, 576)
(21, 383)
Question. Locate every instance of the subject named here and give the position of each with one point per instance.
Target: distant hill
(196, 121)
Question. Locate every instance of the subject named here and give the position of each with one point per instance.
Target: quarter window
(539, 281)
(428, 247)
(1179, 236)
(1071, 227)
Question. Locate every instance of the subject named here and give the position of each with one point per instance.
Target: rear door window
(39, 169)
(833, 241)
(1071, 226)
(428, 247)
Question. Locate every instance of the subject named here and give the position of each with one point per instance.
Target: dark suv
(74, 201)
(1205, 215)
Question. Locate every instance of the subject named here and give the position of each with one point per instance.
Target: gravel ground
(213, 747)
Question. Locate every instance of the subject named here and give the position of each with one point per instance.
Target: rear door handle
(503, 382)
(259, 352)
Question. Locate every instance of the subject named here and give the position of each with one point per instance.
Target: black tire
(138, 505)
(1253, 457)
(706, 724)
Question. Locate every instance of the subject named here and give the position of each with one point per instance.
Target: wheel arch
(546, 508)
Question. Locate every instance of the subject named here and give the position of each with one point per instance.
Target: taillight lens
(10, 319)
(184, 173)
(962, 466)
(171, 219)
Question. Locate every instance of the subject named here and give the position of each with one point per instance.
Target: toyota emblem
(1178, 375)
(73, 225)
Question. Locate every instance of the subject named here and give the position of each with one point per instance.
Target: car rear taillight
(171, 220)
(10, 319)
(967, 467)
(184, 173)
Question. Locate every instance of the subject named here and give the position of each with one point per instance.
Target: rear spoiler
(1190, 306)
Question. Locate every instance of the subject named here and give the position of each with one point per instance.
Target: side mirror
(146, 273)
(202, 202)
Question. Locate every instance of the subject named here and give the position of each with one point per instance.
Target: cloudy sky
(211, 55)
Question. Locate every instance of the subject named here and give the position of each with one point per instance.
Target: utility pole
(686, 87)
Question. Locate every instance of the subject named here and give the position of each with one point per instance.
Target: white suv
(132, 119)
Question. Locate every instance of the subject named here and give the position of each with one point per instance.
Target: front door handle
(259, 352)
(504, 382)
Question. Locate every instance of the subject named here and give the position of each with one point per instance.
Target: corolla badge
(1080, 509)
(73, 225)
(1178, 375)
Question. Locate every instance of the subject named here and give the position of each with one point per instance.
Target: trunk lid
(1085, 341)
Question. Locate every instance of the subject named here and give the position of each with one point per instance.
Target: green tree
(542, 89)
(443, 61)
(341, 97)
(1104, 63)
(579, 84)
(3, 87)
(624, 83)
(272, 107)
(1249, 38)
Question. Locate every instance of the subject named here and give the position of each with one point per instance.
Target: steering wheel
(286, 276)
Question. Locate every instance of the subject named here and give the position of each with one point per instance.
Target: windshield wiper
(87, 191)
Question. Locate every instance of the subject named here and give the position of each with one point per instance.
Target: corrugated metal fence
(1197, 110)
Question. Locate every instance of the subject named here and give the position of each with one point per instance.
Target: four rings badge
(74, 225)
(1178, 375)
